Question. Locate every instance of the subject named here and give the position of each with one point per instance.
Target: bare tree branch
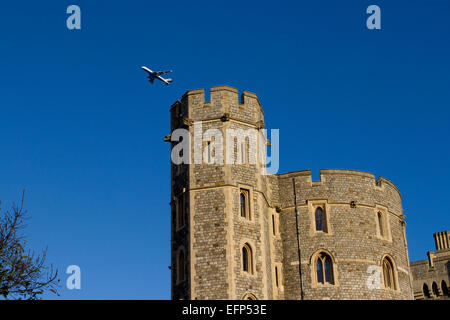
(23, 274)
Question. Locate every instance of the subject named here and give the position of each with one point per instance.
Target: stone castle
(238, 233)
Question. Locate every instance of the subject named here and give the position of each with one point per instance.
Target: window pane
(243, 205)
(319, 271)
(319, 219)
(380, 223)
(276, 276)
(328, 270)
(388, 275)
(245, 259)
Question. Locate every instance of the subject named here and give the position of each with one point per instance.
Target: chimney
(442, 240)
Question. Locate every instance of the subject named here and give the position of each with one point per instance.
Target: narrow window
(247, 263)
(179, 212)
(245, 259)
(244, 204)
(381, 224)
(273, 225)
(242, 152)
(180, 267)
(435, 289)
(209, 152)
(388, 274)
(324, 269)
(276, 276)
(328, 270)
(426, 291)
(320, 220)
(319, 271)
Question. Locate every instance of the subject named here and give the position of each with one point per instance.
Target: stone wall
(352, 239)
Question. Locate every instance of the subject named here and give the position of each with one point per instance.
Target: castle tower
(220, 212)
(239, 233)
(352, 237)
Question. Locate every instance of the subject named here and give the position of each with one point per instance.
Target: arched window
(249, 296)
(381, 224)
(435, 289)
(244, 203)
(180, 267)
(247, 259)
(320, 220)
(388, 274)
(324, 269)
(426, 292)
(444, 288)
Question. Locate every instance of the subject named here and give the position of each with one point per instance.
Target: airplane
(152, 75)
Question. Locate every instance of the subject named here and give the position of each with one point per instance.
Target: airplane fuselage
(152, 75)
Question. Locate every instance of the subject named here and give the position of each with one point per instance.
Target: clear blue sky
(81, 128)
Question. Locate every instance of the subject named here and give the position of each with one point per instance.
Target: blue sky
(81, 129)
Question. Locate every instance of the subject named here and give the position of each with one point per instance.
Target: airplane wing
(146, 69)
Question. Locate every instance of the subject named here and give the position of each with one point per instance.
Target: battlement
(344, 185)
(343, 173)
(218, 92)
(224, 101)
